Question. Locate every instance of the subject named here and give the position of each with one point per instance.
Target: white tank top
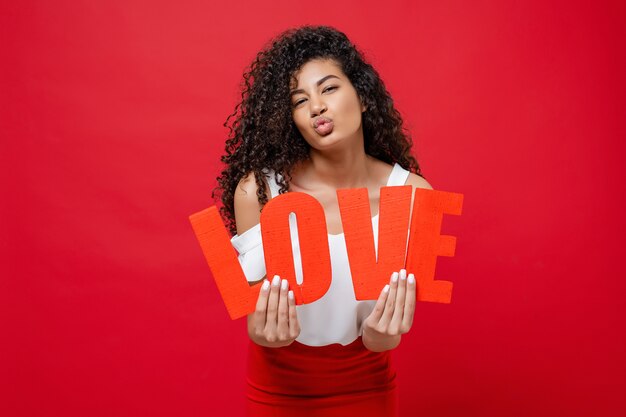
(337, 317)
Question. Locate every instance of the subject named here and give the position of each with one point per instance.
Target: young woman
(316, 117)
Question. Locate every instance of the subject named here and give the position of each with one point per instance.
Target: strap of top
(398, 176)
(274, 188)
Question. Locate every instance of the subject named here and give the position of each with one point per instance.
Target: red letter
(425, 243)
(313, 238)
(369, 275)
(239, 297)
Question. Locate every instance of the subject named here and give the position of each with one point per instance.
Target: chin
(323, 142)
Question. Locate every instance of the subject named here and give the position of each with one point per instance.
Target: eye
(332, 87)
(297, 103)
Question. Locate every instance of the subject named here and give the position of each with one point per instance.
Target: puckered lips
(323, 125)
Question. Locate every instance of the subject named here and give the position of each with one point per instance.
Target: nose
(317, 106)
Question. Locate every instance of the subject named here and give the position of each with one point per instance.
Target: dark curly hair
(263, 134)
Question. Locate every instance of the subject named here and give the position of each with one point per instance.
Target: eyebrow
(317, 83)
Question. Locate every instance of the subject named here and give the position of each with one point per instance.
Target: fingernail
(276, 280)
(411, 279)
(386, 289)
(403, 276)
(290, 295)
(403, 273)
(266, 285)
(394, 277)
(284, 284)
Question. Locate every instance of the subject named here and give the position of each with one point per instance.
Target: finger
(391, 301)
(379, 308)
(409, 304)
(283, 311)
(260, 311)
(272, 306)
(294, 326)
(398, 312)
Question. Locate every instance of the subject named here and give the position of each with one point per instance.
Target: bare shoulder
(417, 181)
(246, 202)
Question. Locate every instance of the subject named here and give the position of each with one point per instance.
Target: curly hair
(263, 134)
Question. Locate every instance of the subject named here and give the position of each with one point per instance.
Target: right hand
(274, 322)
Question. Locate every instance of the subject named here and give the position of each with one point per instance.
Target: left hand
(392, 315)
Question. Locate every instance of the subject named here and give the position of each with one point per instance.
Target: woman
(316, 117)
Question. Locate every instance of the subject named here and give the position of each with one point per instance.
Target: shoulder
(246, 188)
(246, 203)
(417, 181)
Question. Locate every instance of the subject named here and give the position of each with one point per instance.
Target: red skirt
(334, 380)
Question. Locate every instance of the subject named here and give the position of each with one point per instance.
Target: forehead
(313, 70)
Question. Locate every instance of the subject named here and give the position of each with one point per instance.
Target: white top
(337, 317)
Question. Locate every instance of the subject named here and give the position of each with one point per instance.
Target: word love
(369, 275)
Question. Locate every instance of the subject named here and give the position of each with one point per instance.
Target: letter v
(369, 275)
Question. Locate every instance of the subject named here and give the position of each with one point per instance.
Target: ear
(363, 107)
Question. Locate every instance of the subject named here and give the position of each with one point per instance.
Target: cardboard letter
(426, 243)
(370, 275)
(239, 297)
(313, 238)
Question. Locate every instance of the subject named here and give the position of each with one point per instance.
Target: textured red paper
(426, 243)
(239, 297)
(369, 275)
(313, 238)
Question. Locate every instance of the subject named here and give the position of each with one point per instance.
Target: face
(320, 91)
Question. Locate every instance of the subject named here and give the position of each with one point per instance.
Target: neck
(346, 168)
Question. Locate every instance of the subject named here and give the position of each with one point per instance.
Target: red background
(111, 126)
